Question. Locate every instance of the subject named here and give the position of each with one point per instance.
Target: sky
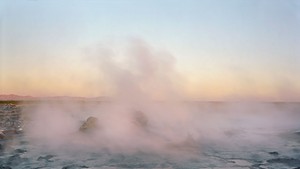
(234, 49)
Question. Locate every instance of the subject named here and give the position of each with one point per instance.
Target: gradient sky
(224, 49)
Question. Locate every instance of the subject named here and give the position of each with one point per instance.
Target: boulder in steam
(140, 119)
(90, 124)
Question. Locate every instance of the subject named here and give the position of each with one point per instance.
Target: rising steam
(146, 111)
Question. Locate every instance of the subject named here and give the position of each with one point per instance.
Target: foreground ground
(18, 151)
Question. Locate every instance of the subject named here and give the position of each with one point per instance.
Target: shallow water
(237, 149)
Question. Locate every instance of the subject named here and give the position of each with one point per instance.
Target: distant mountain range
(13, 97)
(24, 98)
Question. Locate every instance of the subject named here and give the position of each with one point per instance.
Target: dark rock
(140, 119)
(275, 153)
(287, 161)
(297, 168)
(47, 158)
(74, 166)
(5, 167)
(297, 133)
(257, 166)
(90, 124)
(21, 151)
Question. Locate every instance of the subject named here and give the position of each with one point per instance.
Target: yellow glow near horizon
(221, 86)
(77, 75)
(213, 86)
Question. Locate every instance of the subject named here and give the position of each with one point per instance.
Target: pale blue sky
(241, 39)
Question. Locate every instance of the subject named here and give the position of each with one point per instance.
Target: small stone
(74, 166)
(275, 153)
(297, 133)
(47, 157)
(21, 151)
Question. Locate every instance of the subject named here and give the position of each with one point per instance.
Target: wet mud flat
(18, 151)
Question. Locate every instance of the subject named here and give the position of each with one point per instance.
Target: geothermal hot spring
(146, 124)
(154, 135)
